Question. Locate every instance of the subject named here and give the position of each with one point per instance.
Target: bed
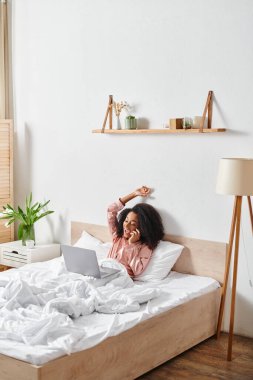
(149, 343)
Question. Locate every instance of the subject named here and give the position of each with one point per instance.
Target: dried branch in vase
(118, 107)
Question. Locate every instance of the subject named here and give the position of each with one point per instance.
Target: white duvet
(47, 312)
(39, 302)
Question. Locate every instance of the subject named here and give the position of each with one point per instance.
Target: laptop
(84, 261)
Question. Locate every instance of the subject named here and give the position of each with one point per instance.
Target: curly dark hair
(150, 224)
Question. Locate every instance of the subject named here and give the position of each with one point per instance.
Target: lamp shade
(235, 176)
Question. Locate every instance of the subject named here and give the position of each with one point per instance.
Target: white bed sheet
(88, 330)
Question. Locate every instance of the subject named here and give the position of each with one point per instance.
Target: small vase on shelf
(118, 123)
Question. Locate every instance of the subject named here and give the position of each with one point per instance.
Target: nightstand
(15, 255)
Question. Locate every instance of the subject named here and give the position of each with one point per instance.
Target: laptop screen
(81, 260)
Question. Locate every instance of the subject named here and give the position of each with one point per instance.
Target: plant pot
(28, 234)
(130, 122)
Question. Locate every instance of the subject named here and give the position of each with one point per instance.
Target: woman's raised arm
(143, 191)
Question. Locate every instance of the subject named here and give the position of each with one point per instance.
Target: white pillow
(162, 260)
(90, 242)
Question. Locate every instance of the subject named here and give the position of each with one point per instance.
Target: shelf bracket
(108, 113)
(207, 110)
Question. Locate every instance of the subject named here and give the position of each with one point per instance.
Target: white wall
(162, 56)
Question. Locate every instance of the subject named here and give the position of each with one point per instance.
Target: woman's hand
(143, 191)
(135, 236)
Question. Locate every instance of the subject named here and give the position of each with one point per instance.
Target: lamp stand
(234, 231)
(250, 212)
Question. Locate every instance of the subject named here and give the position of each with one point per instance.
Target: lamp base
(234, 231)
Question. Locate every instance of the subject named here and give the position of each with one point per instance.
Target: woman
(135, 233)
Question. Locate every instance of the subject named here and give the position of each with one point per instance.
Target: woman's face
(130, 224)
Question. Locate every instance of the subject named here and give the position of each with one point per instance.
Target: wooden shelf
(207, 111)
(157, 131)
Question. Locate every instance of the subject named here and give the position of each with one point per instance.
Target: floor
(207, 361)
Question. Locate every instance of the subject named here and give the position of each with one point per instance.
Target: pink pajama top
(136, 256)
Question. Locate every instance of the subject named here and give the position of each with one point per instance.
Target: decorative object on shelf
(118, 123)
(197, 122)
(26, 218)
(118, 107)
(187, 123)
(130, 122)
(235, 177)
(176, 123)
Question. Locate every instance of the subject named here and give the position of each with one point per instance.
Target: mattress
(38, 334)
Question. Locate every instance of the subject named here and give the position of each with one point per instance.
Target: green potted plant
(130, 122)
(26, 218)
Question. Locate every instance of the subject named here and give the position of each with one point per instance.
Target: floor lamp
(235, 177)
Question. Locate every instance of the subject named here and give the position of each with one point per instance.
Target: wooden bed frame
(150, 343)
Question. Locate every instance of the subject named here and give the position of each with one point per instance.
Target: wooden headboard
(199, 257)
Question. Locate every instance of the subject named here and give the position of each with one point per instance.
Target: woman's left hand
(135, 236)
(143, 191)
